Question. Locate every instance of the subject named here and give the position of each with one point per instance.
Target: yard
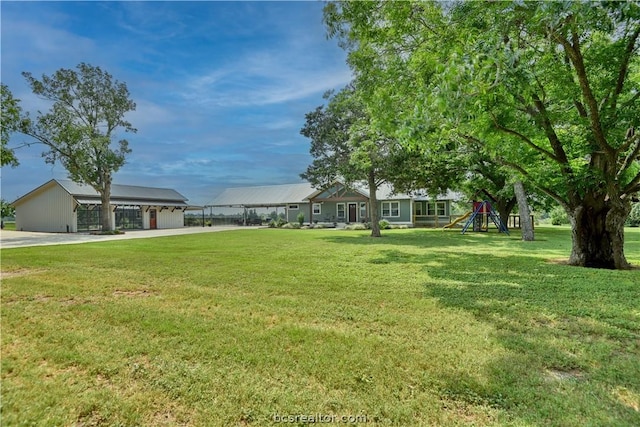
(262, 327)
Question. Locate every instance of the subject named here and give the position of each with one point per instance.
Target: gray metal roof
(263, 196)
(124, 192)
(120, 194)
(281, 195)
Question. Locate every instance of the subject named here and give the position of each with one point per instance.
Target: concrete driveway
(18, 239)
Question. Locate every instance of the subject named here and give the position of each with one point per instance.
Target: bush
(355, 227)
(277, 223)
(300, 218)
(633, 220)
(558, 216)
(384, 224)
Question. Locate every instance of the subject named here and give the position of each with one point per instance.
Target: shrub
(384, 224)
(558, 216)
(356, 227)
(278, 222)
(633, 220)
(300, 218)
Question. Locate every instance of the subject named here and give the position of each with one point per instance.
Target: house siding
(51, 210)
(405, 214)
(423, 219)
(292, 214)
(329, 198)
(168, 219)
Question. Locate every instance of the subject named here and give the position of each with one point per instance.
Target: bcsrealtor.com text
(319, 419)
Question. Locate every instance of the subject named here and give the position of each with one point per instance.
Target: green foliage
(300, 218)
(384, 224)
(634, 216)
(278, 222)
(548, 90)
(291, 225)
(88, 107)
(357, 226)
(6, 209)
(558, 216)
(11, 116)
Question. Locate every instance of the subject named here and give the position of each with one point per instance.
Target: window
(317, 208)
(129, 217)
(340, 211)
(418, 208)
(436, 208)
(293, 207)
(88, 218)
(390, 209)
(363, 210)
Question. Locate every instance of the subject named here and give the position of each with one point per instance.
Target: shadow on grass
(572, 335)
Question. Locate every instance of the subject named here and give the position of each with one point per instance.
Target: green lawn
(256, 327)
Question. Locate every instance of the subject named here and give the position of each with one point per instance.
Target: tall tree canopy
(549, 89)
(9, 123)
(345, 146)
(88, 108)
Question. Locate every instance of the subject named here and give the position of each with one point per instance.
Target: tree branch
(548, 191)
(624, 67)
(633, 186)
(524, 138)
(575, 55)
(632, 156)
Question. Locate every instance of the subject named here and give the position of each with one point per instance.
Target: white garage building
(62, 206)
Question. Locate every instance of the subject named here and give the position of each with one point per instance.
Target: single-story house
(65, 206)
(339, 203)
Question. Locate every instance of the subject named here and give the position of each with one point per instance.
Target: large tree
(345, 146)
(9, 123)
(89, 107)
(550, 88)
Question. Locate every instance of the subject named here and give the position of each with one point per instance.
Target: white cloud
(263, 80)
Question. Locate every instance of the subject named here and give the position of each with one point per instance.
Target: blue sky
(221, 87)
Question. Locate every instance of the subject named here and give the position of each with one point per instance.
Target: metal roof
(120, 194)
(132, 202)
(281, 195)
(263, 196)
(123, 192)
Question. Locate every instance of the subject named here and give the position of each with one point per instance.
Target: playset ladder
(486, 208)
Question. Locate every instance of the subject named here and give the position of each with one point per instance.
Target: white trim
(344, 210)
(356, 205)
(435, 205)
(313, 209)
(390, 209)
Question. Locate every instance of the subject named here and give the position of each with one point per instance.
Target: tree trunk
(525, 215)
(598, 235)
(504, 207)
(373, 205)
(105, 207)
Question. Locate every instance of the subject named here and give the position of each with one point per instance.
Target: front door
(353, 209)
(153, 223)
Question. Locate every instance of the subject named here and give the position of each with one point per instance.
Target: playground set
(478, 219)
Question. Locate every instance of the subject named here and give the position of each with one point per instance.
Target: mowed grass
(257, 327)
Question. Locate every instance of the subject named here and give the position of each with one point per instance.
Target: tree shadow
(571, 336)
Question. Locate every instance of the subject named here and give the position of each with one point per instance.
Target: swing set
(479, 219)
